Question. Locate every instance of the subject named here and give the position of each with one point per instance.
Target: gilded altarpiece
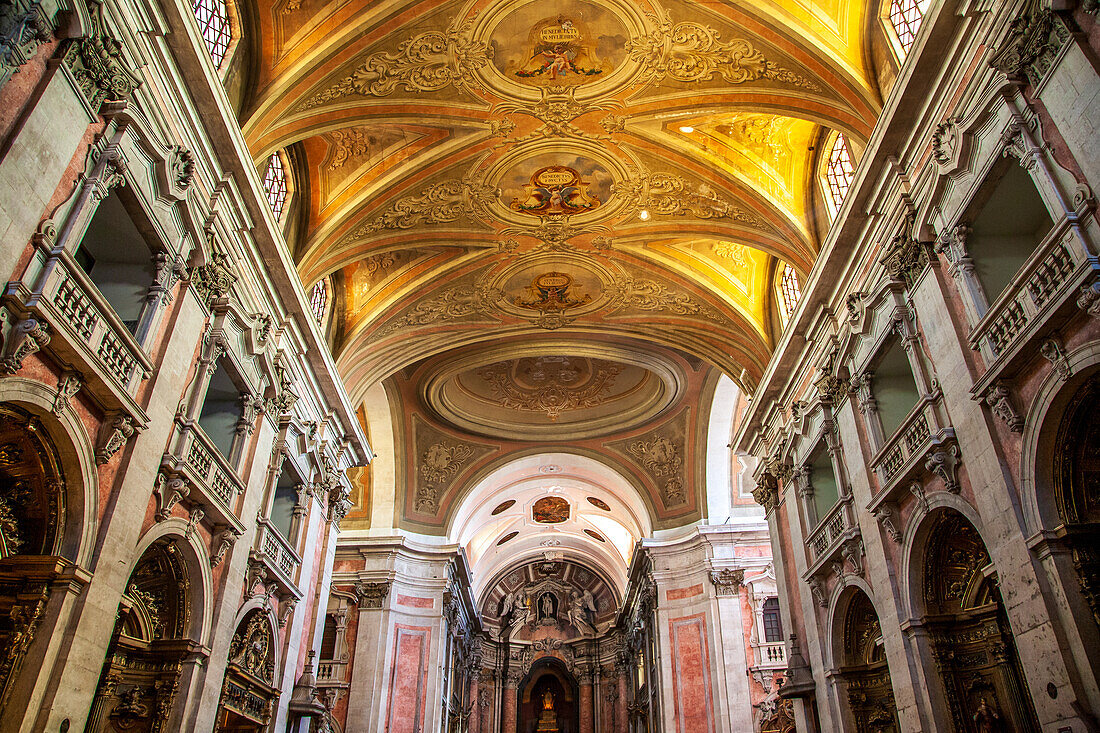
(32, 516)
(140, 681)
(865, 672)
(1077, 487)
(248, 695)
(971, 641)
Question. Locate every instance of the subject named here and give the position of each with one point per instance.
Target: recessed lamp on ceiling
(644, 214)
(687, 129)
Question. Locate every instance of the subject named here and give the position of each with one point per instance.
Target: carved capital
(26, 337)
(223, 541)
(1053, 351)
(169, 491)
(944, 463)
(372, 595)
(68, 385)
(999, 399)
(98, 65)
(116, 429)
(727, 581)
(817, 590)
(1088, 299)
(886, 514)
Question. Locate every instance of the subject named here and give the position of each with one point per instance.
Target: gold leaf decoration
(440, 203)
(692, 52)
(427, 62)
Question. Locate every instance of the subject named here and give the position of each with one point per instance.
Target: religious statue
(546, 609)
(986, 718)
(548, 719)
(578, 614)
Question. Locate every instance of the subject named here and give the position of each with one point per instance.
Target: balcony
(332, 673)
(1050, 279)
(771, 654)
(85, 330)
(830, 533)
(925, 428)
(214, 483)
(273, 550)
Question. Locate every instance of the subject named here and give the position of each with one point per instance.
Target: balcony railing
(829, 532)
(1055, 271)
(86, 329)
(277, 554)
(771, 654)
(214, 483)
(925, 425)
(331, 672)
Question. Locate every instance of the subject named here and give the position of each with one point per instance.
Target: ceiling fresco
(456, 152)
(554, 225)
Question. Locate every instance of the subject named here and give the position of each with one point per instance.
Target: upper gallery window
(773, 625)
(318, 300)
(905, 18)
(789, 291)
(213, 18)
(275, 184)
(839, 171)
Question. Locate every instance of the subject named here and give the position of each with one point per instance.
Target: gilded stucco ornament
(428, 62)
(693, 52)
(663, 459)
(668, 194)
(440, 203)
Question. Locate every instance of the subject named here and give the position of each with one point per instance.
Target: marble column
(473, 723)
(485, 704)
(587, 713)
(622, 722)
(508, 704)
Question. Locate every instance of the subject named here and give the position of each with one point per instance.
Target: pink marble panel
(691, 674)
(676, 594)
(408, 678)
(415, 601)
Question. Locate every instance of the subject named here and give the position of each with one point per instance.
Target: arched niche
(548, 693)
(249, 693)
(47, 479)
(1075, 474)
(971, 641)
(151, 644)
(864, 670)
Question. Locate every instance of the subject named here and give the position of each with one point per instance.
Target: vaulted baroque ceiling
(619, 171)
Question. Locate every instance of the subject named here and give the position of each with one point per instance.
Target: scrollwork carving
(693, 52)
(428, 62)
(116, 429)
(26, 337)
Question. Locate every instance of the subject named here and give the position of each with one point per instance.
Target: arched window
(839, 172)
(788, 291)
(318, 300)
(905, 19)
(275, 184)
(213, 18)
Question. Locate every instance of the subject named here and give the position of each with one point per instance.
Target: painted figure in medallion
(560, 54)
(555, 189)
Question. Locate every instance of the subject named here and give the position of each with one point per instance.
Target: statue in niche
(548, 719)
(548, 609)
(986, 718)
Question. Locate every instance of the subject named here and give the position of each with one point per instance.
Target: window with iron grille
(906, 17)
(213, 18)
(773, 626)
(318, 300)
(275, 185)
(789, 291)
(839, 172)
